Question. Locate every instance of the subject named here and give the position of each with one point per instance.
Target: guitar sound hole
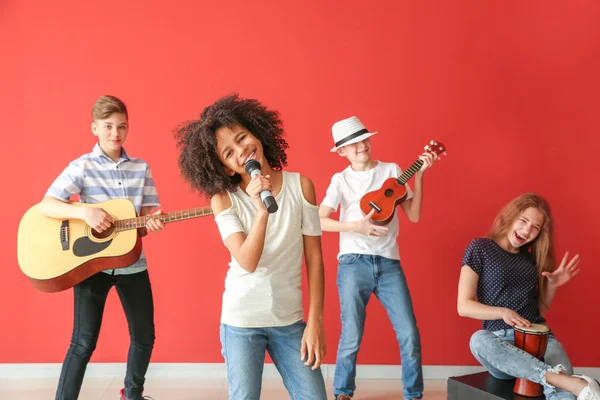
(103, 234)
(388, 193)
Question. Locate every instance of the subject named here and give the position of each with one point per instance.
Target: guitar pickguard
(84, 247)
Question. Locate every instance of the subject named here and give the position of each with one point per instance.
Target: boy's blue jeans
(244, 352)
(497, 353)
(360, 275)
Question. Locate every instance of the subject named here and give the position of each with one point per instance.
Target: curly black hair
(199, 163)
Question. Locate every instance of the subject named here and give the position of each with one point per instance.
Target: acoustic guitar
(393, 191)
(56, 254)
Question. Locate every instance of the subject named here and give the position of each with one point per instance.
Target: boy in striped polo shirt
(106, 173)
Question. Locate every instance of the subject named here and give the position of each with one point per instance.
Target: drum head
(533, 329)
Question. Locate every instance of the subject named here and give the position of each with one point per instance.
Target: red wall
(510, 87)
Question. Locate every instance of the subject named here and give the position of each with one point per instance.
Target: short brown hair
(105, 106)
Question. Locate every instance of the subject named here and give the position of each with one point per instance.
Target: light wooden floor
(200, 389)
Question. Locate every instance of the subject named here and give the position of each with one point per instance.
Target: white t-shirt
(271, 295)
(346, 190)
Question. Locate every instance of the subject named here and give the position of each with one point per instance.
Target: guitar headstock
(436, 147)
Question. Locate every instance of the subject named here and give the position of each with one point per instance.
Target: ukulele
(56, 254)
(393, 191)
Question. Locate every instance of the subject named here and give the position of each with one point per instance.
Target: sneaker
(122, 393)
(591, 391)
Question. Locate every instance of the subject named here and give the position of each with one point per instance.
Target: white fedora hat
(348, 131)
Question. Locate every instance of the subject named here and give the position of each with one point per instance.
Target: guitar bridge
(374, 206)
(64, 235)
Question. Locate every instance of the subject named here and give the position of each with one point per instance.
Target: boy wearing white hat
(369, 259)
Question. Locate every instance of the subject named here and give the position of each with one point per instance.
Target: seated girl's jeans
(497, 353)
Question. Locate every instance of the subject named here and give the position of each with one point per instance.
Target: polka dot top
(505, 280)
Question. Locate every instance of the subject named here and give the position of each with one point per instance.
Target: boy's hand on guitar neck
(152, 225)
(155, 224)
(428, 159)
(365, 226)
(97, 218)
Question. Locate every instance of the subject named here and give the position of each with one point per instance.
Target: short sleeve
(311, 223)
(150, 194)
(333, 196)
(68, 183)
(228, 223)
(473, 256)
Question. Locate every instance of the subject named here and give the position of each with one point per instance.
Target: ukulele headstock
(436, 147)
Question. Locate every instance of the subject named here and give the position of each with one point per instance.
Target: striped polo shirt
(95, 177)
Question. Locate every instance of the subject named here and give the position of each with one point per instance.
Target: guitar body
(384, 201)
(56, 254)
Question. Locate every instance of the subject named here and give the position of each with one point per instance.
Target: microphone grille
(251, 165)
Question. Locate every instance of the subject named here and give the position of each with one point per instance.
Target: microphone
(252, 167)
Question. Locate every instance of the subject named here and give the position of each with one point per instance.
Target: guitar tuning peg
(445, 154)
(431, 142)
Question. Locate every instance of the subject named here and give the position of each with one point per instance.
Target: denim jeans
(358, 276)
(497, 353)
(244, 353)
(90, 295)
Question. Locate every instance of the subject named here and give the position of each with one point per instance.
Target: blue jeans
(244, 353)
(497, 353)
(358, 276)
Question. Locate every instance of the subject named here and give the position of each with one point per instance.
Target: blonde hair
(105, 106)
(542, 247)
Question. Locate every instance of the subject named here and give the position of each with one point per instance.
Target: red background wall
(510, 87)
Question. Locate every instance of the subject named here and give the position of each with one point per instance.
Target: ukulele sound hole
(103, 234)
(388, 193)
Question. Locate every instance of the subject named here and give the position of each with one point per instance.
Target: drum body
(533, 340)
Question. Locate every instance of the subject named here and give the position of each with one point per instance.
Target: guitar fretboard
(140, 222)
(410, 171)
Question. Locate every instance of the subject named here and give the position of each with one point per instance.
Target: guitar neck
(140, 222)
(406, 175)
